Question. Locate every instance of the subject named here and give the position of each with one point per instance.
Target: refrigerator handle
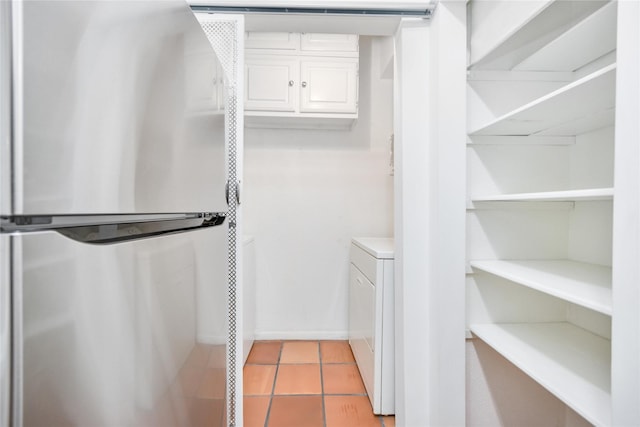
(108, 229)
(226, 192)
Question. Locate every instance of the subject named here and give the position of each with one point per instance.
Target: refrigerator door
(111, 335)
(108, 112)
(115, 109)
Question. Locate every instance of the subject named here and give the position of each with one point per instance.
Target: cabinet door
(317, 42)
(329, 85)
(271, 84)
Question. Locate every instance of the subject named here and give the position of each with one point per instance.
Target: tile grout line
(301, 363)
(346, 394)
(324, 409)
(290, 395)
(273, 386)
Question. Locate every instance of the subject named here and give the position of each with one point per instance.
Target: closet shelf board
(587, 285)
(513, 37)
(588, 40)
(576, 107)
(498, 41)
(570, 362)
(520, 140)
(584, 195)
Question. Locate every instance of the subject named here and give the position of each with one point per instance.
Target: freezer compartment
(107, 113)
(108, 334)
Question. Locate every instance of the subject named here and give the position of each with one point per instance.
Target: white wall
(503, 395)
(306, 193)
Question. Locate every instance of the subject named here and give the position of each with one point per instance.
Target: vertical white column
(411, 217)
(625, 344)
(430, 167)
(448, 205)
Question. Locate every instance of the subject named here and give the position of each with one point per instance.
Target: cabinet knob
(304, 84)
(290, 82)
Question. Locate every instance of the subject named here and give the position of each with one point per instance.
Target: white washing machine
(371, 318)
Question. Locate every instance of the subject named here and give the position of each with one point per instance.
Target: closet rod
(424, 13)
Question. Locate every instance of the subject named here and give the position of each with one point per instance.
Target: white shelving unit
(543, 92)
(568, 361)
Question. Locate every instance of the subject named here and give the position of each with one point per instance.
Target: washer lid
(378, 247)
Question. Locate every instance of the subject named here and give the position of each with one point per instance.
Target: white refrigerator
(112, 203)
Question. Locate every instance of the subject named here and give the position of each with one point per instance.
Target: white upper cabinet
(290, 77)
(271, 84)
(329, 85)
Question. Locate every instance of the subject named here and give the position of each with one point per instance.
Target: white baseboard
(279, 335)
(301, 335)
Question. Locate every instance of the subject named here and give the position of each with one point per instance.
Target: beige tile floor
(306, 384)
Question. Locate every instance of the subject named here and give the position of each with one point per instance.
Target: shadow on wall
(514, 398)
